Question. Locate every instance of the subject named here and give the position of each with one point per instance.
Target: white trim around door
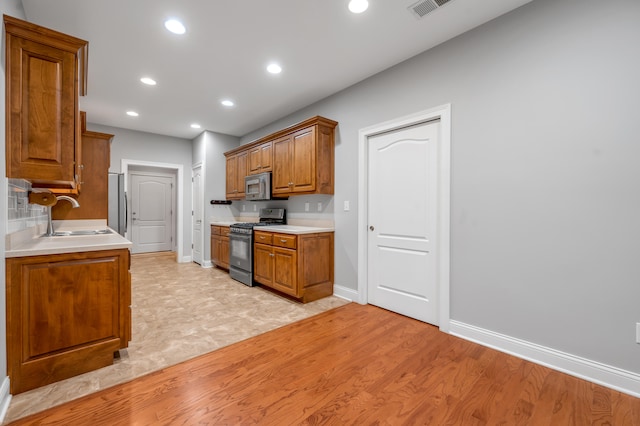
(443, 113)
(125, 164)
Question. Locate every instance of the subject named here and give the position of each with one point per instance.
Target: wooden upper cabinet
(237, 167)
(45, 74)
(260, 158)
(303, 162)
(302, 159)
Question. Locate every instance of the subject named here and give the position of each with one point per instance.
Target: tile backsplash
(20, 214)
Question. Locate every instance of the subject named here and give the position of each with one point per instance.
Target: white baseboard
(5, 398)
(593, 371)
(345, 293)
(185, 259)
(207, 264)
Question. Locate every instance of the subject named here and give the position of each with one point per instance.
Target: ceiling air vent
(424, 7)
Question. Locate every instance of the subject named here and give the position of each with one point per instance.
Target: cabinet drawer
(224, 231)
(215, 230)
(263, 237)
(284, 240)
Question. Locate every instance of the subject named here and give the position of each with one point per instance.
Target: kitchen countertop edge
(39, 245)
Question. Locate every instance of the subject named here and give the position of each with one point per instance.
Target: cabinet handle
(271, 254)
(261, 237)
(283, 241)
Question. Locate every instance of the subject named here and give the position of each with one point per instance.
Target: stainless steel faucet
(74, 204)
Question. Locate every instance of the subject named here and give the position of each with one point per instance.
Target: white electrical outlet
(306, 207)
(638, 332)
(244, 207)
(255, 208)
(319, 206)
(346, 205)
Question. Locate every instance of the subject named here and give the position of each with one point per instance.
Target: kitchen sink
(81, 232)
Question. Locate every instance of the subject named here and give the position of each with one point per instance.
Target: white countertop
(284, 229)
(295, 229)
(34, 244)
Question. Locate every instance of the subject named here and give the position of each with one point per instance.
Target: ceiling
(321, 46)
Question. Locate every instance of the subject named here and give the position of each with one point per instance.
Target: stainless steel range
(241, 243)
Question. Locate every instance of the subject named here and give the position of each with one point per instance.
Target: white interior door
(402, 193)
(197, 196)
(151, 213)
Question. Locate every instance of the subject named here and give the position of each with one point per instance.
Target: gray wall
(11, 8)
(209, 149)
(545, 177)
(150, 147)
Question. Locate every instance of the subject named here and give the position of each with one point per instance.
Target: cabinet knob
(283, 241)
(271, 254)
(371, 227)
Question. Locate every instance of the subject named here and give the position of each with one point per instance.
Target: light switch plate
(346, 205)
(319, 206)
(306, 207)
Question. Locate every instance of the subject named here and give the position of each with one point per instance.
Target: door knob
(371, 227)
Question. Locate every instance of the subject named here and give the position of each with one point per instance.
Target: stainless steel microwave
(258, 187)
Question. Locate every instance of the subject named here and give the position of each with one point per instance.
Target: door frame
(125, 164)
(203, 263)
(154, 172)
(443, 113)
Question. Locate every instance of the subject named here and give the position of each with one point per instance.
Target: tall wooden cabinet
(94, 198)
(45, 74)
(66, 314)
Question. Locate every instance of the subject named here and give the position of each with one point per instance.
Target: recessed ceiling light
(274, 68)
(148, 81)
(132, 113)
(227, 103)
(358, 6)
(195, 126)
(175, 26)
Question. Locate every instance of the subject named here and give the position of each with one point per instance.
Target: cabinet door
(263, 264)
(42, 112)
(215, 250)
(285, 271)
(231, 179)
(224, 252)
(241, 171)
(66, 315)
(303, 159)
(281, 179)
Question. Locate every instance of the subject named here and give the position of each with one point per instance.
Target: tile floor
(179, 311)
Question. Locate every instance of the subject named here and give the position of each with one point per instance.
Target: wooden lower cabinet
(220, 246)
(66, 315)
(300, 266)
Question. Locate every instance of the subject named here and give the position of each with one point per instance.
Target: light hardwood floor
(179, 311)
(352, 365)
